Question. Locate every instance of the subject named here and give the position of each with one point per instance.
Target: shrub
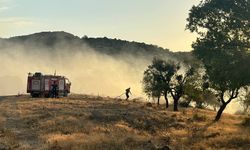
(198, 117)
(246, 122)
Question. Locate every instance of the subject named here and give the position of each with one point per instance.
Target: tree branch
(172, 94)
(234, 95)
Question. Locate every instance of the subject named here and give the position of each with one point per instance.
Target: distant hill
(103, 45)
(45, 38)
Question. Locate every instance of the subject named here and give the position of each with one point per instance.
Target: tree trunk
(220, 111)
(176, 98)
(175, 104)
(166, 99)
(166, 103)
(234, 95)
(158, 101)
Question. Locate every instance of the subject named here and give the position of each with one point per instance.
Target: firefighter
(54, 90)
(127, 92)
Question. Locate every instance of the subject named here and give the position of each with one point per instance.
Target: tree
(245, 102)
(156, 79)
(177, 84)
(196, 90)
(223, 45)
(163, 77)
(152, 86)
(193, 89)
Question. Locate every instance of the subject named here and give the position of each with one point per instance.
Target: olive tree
(178, 82)
(245, 102)
(223, 45)
(157, 77)
(163, 77)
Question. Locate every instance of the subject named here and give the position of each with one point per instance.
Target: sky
(158, 22)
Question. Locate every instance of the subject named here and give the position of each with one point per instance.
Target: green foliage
(223, 46)
(178, 82)
(104, 45)
(116, 46)
(193, 90)
(196, 90)
(157, 77)
(245, 102)
(163, 77)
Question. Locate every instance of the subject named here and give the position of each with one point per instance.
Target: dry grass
(246, 122)
(89, 122)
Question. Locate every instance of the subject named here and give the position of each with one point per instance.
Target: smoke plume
(89, 71)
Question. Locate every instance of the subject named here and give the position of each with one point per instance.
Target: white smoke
(89, 71)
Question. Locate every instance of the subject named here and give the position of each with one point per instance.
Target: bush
(239, 112)
(184, 103)
(246, 122)
(198, 117)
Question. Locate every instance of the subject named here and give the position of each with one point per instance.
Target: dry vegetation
(88, 122)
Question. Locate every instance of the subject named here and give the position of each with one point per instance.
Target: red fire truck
(39, 85)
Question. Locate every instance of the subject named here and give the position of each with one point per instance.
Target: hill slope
(88, 122)
(103, 45)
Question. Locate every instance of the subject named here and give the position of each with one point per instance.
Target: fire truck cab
(39, 85)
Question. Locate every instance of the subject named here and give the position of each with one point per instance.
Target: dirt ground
(90, 122)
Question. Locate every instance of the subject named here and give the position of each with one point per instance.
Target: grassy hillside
(89, 122)
(52, 41)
